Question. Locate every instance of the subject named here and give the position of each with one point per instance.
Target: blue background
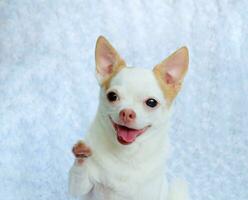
(49, 95)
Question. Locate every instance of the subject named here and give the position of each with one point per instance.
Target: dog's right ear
(108, 61)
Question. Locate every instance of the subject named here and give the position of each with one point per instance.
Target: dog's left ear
(108, 61)
(171, 71)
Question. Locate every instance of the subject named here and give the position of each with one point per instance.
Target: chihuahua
(123, 155)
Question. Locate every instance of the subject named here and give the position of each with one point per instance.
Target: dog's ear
(171, 71)
(108, 61)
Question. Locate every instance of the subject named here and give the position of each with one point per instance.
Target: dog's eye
(151, 103)
(112, 96)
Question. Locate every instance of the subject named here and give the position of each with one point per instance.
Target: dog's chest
(129, 191)
(120, 180)
(127, 185)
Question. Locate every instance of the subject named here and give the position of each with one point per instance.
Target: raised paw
(81, 150)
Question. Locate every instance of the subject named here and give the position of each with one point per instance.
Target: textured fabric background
(49, 95)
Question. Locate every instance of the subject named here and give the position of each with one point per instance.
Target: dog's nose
(127, 115)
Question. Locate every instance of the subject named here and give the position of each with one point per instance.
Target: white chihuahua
(128, 137)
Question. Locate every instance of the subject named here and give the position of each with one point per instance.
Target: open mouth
(127, 135)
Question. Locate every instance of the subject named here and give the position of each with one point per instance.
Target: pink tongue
(126, 134)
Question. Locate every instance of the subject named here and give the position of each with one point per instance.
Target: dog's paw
(81, 150)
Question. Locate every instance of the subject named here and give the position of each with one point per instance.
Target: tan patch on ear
(118, 67)
(169, 91)
(114, 67)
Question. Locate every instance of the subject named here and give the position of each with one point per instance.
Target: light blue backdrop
(48, 93)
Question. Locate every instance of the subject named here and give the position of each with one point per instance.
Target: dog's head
(135, 101)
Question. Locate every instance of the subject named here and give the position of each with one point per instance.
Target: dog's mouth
(127, 135)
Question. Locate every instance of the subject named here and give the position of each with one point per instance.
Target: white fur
(127, 172)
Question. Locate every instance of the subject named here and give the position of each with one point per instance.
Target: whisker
(106, 113)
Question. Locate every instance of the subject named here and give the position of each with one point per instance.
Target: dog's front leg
(79, 182)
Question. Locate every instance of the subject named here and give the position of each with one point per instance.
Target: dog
(123, 155)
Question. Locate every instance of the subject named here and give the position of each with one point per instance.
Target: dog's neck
(153, 150)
